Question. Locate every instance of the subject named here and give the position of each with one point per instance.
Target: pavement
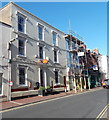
(30, 100)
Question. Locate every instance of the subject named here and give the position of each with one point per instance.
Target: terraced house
(33, 53)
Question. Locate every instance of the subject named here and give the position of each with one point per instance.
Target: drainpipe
(9, 59)
(9, 75)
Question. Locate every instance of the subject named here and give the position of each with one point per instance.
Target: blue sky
(88, 19)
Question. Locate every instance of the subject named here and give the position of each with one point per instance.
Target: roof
(5, 24)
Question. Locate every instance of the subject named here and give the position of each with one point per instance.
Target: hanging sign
(45, 61)
(80, 53)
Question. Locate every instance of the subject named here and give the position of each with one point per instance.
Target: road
(85, 105)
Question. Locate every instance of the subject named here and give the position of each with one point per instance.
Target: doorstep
(3, 98)
(24, 93)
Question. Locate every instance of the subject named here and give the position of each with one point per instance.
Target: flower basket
(48, 89)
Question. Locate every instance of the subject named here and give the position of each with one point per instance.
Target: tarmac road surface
(85, 105)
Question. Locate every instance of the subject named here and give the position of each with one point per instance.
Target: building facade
(75, 63)
(4, 28)
(82, 65)
(93, 67)
(104, 66)
(36, 52)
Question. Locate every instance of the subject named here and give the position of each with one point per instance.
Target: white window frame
(57, 56)
(56, 44)
(42, 52)
(44, 55)
(24, 17)
(58, 77)
(24, 40)
(24, 67)
(39, 25)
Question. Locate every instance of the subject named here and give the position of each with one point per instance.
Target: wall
(32, 49)
(4, 40)
(103, 65)
(5, 14)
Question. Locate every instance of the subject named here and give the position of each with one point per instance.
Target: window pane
(40, 32)
(56, 76)
(42, 77)
(54, 38)
(21, 47)
(21, 76)
(41, 52)
(21, 43)
(20, 28)
(21, 51)
(21, 23)
(55, 56)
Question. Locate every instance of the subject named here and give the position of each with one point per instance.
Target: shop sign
(80, 53)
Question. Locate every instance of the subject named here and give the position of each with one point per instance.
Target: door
(41, 77)
(0, 83)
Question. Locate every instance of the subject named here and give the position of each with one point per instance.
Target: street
(86, 105)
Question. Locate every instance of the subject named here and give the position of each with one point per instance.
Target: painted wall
(4, 40)
(103, 65)
(5, 14)
(32, 49)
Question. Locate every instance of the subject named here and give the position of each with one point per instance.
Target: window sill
(22, 56)
(40, 39)
(54, 45)
(57, 84)
(22, 34)
(23, 85)
(56, 63)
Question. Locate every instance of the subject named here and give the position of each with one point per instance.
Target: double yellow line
(102, 112)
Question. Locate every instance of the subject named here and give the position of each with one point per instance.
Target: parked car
(98, 84)
(105, 83)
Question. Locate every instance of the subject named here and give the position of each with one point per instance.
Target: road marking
(52, 99)
(102, 112)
